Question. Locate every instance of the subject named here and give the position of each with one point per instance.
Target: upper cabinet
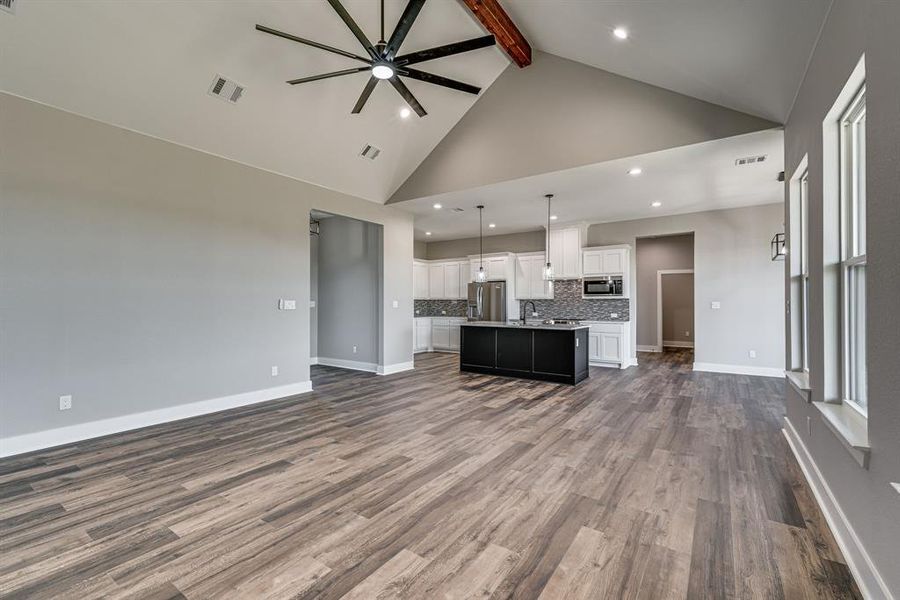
(498, 267)
(612, 260)
(530, 283)
(565, 252)
(445, 280)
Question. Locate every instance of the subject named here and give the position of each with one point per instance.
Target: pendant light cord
(549, 197)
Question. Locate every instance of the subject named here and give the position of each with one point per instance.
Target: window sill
(850, 427)
(800, 381)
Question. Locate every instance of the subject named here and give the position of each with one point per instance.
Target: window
(798, 257)
(853, 252)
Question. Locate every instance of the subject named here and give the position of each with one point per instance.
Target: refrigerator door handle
(479, 300)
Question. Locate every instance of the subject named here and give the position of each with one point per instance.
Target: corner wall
(142, 277)
(861, 502)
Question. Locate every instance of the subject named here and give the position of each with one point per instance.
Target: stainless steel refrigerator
(487, 301)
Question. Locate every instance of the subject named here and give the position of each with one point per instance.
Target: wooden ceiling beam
(497, 22)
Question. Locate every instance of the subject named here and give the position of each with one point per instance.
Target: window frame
(852, 245)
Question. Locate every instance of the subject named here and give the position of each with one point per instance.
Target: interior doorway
(675, 308)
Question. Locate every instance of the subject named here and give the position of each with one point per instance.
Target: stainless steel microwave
(597, 287)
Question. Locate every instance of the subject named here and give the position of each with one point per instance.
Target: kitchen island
(547, 352)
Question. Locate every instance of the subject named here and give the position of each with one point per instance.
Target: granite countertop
(519, 325)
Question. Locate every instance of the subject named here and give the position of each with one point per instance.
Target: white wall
(139, 275)
(731, 266)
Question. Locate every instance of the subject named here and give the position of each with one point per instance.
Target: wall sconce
(778, 247)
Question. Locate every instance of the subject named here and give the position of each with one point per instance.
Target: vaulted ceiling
(146, 66)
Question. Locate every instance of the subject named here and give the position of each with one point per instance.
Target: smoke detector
(224, 88)
(9, 6)
(369, 151)
(750, 160)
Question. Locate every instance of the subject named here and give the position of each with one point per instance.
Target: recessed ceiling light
(382, 71)
(635, 171)
(438, 207)
(553, 217)
(656, 204)
(427, 233)
(621, 33)
(492, 225)
(404, 113)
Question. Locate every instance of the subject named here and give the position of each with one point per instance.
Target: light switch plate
(395, 304)
(274, 371)
(312, 303)
(715, 305)
(65, 402)
(287, 304)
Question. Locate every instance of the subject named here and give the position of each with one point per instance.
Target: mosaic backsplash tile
(568, 303)
(439, 308)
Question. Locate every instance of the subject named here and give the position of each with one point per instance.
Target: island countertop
(527, 325)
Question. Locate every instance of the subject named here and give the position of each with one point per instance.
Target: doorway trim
(659, 308)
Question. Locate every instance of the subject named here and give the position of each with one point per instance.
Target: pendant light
(481, 276)
(548, 268)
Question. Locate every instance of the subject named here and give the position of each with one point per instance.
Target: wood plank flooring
(652, 482)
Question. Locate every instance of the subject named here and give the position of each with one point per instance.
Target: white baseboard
(347, 364)
(50, 438)
(632, 362)
(864, 572)
(641, 348)
(313, 360)
(739, 369)
(395, 368)
(674, 344)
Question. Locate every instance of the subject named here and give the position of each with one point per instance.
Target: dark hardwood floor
(652, 482)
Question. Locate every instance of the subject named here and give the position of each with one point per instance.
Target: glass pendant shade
(481, 276)
(548, 272)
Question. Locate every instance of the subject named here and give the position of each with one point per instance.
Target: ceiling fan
(382, 59)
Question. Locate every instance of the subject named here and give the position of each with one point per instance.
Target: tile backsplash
(568, 303)
(439, 308)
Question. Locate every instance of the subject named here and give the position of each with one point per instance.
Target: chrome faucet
(533, 309)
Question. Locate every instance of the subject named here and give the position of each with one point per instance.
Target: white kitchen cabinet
(451, 280)
(565, 252)
(530, 283)
(440, 335)
(609, 344)
(454, 336)
(605, 261)
(422, 329)
(436, 281)
(496, 268)
(420, 280)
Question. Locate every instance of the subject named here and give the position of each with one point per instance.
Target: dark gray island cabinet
(545, 352)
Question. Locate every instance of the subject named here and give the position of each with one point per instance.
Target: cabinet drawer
(606, 328)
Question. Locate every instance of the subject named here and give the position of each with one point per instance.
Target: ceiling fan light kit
(382, 60)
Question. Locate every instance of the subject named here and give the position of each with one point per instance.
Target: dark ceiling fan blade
(403, 26)
(301, 40)
(351, 24)
(367, 91)
(327, 75)
(438, 80)
(448, 50)
(407, 95)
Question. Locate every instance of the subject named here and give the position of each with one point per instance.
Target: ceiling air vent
(369, 151)
(458, 209)
(750, 160)
(8, 5)
(224, 88)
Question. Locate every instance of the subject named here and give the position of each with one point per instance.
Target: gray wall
(731, 265)
(558, 114)
(678, 307)
(528, 241)
(348, 289)
(138, 274)
(652, 255)
(854, 28)
(420, 250)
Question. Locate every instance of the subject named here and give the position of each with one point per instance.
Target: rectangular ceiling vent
(750, 160)
(369, 151)
(224, 88)
(458, 209)
(9, 6)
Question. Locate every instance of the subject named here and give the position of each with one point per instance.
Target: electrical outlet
(613, 315)
(287, 304)
(687, 334)
(354, 349)
(395, 304)
(752, 354)
(65, 402)
(274, 371)
(715, 305)
(312, 303)
(534, 314)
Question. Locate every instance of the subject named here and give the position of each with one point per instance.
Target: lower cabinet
(609, 344)
(437, 333)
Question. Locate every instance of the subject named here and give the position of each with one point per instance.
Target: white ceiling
(749, 55)
(147, 66)
(687, 179)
